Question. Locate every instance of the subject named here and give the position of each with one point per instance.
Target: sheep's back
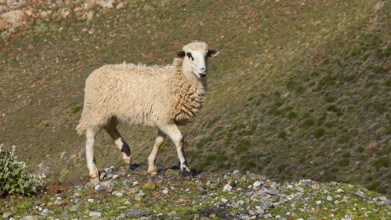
(134, 94)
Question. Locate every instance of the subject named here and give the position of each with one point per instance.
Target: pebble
(165, 191)
(74, 208)
(150, 186)
(94, 214)
(360, 193)
(139, 195)
(6, 215)
(329, 198)
(227, 188)
(257, 183)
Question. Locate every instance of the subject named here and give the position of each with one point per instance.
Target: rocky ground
(129, 193)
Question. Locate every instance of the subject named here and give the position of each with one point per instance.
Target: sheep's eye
(190, 56)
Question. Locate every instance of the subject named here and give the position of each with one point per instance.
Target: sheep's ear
(212, 53)
(180, 54)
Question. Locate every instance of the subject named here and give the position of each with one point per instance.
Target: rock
(6, 215)
(11, 19)
(30, 217)
(47, 212)
(115, 176)
(74, 208)
(172, 213)
(102, 175)
(139, 196)
(266, 205)
(227, 188)
(257, 183)
(138, 213)
(105, 3)
(165, 191)
(95, 214)
(149, 186)
(360, 194)
(271, 192)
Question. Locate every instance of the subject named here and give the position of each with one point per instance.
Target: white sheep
(158, 96)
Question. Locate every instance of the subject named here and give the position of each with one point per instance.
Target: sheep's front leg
(152, 156)
(173, 132)
(93, 171)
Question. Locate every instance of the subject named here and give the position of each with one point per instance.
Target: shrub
(14, 176)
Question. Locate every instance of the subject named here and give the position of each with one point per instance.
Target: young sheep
(158, 96)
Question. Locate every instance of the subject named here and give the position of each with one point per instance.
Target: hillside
(299, 90)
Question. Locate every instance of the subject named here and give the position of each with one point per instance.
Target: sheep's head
(195, 57)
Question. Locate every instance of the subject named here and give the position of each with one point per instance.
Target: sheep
(156, 96)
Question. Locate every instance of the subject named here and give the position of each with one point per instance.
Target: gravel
(132, 194)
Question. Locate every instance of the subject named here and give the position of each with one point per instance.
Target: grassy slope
(299, 89)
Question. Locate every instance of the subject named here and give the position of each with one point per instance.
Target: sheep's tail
(82, 126)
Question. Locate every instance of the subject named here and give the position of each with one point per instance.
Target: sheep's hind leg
(90, 157)
(173, 132)
(120, 142)
(152, 156)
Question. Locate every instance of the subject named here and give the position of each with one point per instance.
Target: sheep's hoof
(152, 172)
(187, 174)
(127, 160)
(93, 181)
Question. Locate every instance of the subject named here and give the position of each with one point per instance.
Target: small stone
(139, 213)
(102, 175)
(95, 214)
(306, 182)
(257, 183)
(318, 202)
(266, 205)
(74, 208)
(90, 200)
(6, 215)
(107, 185)
(329, 198)
(236, 173)
(115, 177)
(271, 192)
(76, 195)
(224, 200)
(30, 217)
(227, 188)
(118, 194)
(139, 195)
(360, 194)
(165, 191)
(149, 186)
(172, 213)
(47, 212)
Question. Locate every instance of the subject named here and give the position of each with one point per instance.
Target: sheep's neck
(190, 95)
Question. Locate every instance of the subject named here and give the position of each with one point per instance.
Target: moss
(242, 146)
(319, 132)
(308, 122)
(381, 162)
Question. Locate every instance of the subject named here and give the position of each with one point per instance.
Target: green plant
(14, 176)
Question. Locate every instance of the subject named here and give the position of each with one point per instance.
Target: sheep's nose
(202, 70)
